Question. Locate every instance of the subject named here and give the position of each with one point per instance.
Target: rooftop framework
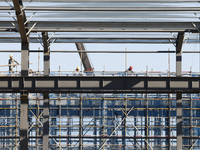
(91, 21)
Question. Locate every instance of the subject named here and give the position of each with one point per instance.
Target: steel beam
(58, 51)
(102, 137)
(97, 9)
(146, 121)
(100, 123)
(81, 123)
(179, 127)
(25, 59)
(95, 129)
(92, 84)
(118, 26)
(124, 124)
(179, 43)
(21, 19)
(84, 57)
(69, 130)
(115, 27)
(103, 130)
(191, 122)
(24, 121)
(191, 40)
(111, 1)
(46, 121)
(46, 45)
(169, 121)
(37, 120)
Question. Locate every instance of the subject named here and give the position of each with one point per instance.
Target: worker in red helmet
(130, 68)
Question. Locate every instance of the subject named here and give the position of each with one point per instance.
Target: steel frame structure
(105, 135)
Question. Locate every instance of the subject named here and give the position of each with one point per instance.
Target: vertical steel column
(103, 114)
(21, 19)
(25, 59)
(37, 120)
(46, 121)
(179, 44)
(24, 121)
(95, 129)
(191, 122)
(16, 121)
(68, 130)
(146, 121)
(59, 98)
(104, 119)
(169, 109)
(46, 95)
(135, 131)
(169, 120)
(179, 120)
(113, 141)
(100, 122)
(24, 98)
(124, 124)
(46, 45)
(81, 124)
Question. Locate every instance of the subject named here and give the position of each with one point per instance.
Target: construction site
(88, 109)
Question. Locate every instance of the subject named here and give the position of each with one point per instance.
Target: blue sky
(112, 62)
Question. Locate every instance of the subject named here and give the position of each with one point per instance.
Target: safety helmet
(130, 68)
(77, 68)
(10, 55)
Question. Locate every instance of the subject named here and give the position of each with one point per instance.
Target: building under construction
(99, 110)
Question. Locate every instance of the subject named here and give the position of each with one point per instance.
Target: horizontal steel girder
(104, 137)
(92, 84)
(96, 1)
(100, 40)
(53, 26)
(44, 8)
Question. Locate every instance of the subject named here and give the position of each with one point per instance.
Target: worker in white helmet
(76, 72)
(11, 63)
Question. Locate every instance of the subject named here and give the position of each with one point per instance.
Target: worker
(11, 63)
(129, 70)
(31, 72)
(76, 72)
(77, 69)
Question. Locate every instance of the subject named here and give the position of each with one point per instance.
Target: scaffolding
(96, 121)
